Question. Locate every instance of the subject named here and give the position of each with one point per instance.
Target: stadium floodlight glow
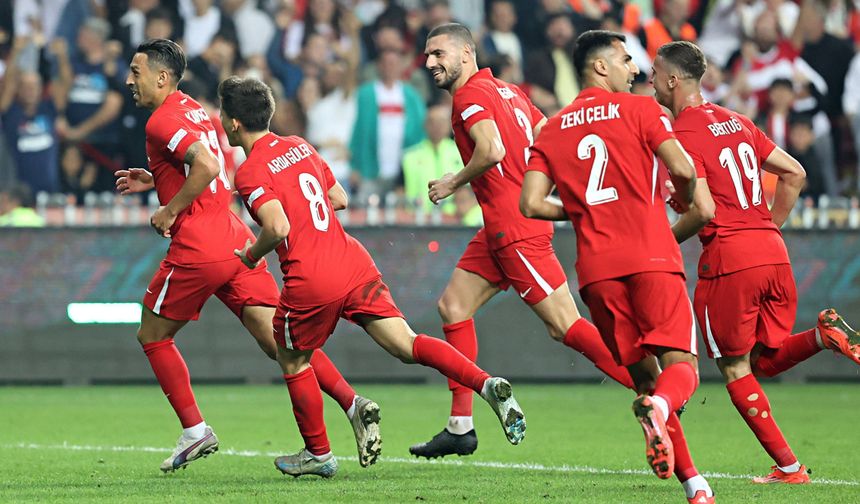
(104, 313)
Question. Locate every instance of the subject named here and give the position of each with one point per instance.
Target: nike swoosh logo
(149, 291)
(525, 293)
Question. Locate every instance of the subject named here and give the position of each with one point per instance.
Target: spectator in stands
(801, 147)
(389, 38)
(28, 119)
(132, 24)
(715, 89)
(775, 120)
(337, 100)
(16, 207)
(851, 107)
(468, 210)
(314, 56)
(94, 98)
(254, 28)
(77, 174)
(431, 158)
(160, 23)
(389, 119)
(551, 68)
(203, 20)
(214, 64)
(436, 12)
(670, 24)
(501, 38)
(322, 17)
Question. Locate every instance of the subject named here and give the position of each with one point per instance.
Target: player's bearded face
(141, 80)
(443, 61)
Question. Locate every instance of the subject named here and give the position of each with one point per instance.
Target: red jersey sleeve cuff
(474, 113)
(259, 196)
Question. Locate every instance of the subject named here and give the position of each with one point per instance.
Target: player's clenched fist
(133, 180)
(245, 256)
(441, 188)
(161, 220)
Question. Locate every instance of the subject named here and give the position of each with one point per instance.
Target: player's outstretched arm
(203, 168)
(535, 199)
(275, 228)
(701, 212)
(338, 197)
(792, 177)
(489, 151)
(133, 180)
(681, 172)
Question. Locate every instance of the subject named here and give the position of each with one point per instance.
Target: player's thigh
(475, 280)
(727, 308)
(558, 311)
(532, 267)
(663, 312)
(612, 313)
(154, 328)
(258, 321)
(179, 292)
(248, 287)
(391, 333)
(778, 306)
(372, 307)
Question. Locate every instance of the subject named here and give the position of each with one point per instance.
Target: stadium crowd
(348, 75)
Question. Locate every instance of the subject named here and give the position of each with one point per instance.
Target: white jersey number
(750, 167)
(592, 146)
(211, 143)
(524, 122)
(313, 192)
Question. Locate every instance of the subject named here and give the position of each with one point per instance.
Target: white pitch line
(525, 466)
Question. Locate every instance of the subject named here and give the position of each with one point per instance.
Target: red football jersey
(599, 151)
(207, 230)
(320, 261)
(728, 150)
(498, 189)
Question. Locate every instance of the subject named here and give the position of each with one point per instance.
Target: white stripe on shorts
(287, 341)
(157, 308)
(693, 344)
(539, 279)
(710, 336)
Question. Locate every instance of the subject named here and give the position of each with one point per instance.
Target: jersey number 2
(592, 146)
(313, 192)
(748, 160)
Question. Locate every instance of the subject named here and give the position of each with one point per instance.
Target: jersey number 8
(313, 192)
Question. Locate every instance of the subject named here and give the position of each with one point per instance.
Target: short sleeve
(535, 113)
(471, 106)
(688, 142)
(537, 159)
(173, 134)
(254, 187)
(655, 124)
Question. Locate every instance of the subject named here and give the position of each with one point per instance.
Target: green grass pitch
(582, 445)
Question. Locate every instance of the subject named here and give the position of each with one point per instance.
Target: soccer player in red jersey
(494, 125)
(745, 298)
(187, 172)
(601, 152)
(290, 190)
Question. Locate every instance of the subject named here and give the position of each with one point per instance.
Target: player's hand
(441, 188)
(161, 220)
(133, 180)
(243, 255)
(677, 207)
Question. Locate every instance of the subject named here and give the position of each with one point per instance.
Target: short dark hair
(455, 30)
(781, 83)
(248, 100)
(686, 57)
(165, 53)
(590, 42)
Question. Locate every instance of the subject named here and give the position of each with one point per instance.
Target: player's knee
(149, 335)
(452, 310)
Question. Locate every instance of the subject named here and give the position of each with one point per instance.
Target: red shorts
(529, 265)
(638, 312)
(308, 328)
(178, 292)
(738, 310)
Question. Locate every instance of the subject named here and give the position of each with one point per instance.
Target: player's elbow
(496, 153)
(796, 176)
(706, 211)
(527, 206)
(279, 229)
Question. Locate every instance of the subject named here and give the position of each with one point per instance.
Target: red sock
(752, 404)
(684, 466)
(676, 384)
(172, 375)
(795, 349)
(583, 337)
(331, 381)
(461, 335)
(441, 356)
(308, 408)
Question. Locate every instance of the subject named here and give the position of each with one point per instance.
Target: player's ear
(235, 125)
(600, 67)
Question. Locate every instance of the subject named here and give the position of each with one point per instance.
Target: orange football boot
(838, 336)
(701, 497)
(658, 445)
(801, 477)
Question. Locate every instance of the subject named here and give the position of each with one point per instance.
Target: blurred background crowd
(348, 75)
